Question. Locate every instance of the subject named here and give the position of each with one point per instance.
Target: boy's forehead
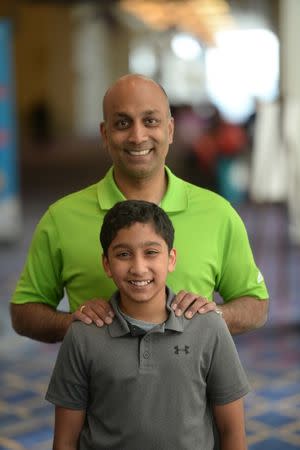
(138, 233)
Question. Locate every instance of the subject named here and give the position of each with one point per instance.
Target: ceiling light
(186, 47)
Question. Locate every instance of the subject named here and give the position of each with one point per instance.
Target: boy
(150, 380)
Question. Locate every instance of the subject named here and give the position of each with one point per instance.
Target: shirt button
(146, 355)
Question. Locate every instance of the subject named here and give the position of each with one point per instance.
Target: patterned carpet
(271, 355)
(271, 358)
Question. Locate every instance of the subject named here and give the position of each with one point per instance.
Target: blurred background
(232, 73)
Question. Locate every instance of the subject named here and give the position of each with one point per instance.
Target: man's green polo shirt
(210, 238)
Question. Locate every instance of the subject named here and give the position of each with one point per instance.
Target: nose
(137, 133)
(138, 266)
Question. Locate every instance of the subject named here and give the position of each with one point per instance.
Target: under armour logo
(185, 349)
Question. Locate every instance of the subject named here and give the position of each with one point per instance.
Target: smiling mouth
(139, 153)
(141, 283)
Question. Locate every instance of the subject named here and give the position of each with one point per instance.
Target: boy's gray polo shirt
(151, 391)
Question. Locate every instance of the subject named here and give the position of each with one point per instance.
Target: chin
(140, 299)
(141, 171)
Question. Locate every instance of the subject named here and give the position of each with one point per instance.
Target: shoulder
(199, 197)
(214, 207)
(83, 337)
(74, 198)
(80, 330)
(210, 326)
(68, 206)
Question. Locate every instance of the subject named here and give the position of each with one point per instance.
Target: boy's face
(139, 261)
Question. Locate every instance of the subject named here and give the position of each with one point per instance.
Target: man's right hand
(97, 310)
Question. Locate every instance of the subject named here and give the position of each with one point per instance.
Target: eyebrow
(144, 244)
(144, 113)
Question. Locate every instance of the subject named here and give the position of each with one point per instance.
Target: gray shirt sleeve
(226, 378)
(68, 386)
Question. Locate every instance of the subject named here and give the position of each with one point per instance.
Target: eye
(123, 255)
(151, 122)
(152, 252)
(122, 124)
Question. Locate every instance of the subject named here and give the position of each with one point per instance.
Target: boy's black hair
(126, 213)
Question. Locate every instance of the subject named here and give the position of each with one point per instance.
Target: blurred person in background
(211, 239)
(218, 139)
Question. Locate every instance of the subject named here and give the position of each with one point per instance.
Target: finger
(77, 315)
(97, 314)
(100, 307)
(210, 306)
(99, 311)
(186, 301)
(198, 304)
(178, 299)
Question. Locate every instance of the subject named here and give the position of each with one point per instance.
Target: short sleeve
(226, 378)
(239, 276)
(41, 280)
(68, 385)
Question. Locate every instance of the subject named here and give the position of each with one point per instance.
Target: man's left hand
(189, 304)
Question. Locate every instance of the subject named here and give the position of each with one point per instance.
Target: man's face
(138, 128)
(138, 261)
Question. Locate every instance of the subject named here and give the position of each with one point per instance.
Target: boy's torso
(150, 391)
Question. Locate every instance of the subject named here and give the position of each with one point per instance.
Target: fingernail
(88, 321)
(178, 312)
(108, 320)
(202, 310)
(174, 306)
(189, 314)
(111, 313)
(99, 323)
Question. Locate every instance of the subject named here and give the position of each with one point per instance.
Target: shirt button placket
(145, 351)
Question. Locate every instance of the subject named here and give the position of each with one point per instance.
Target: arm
(245, 314)
(44, 323)
(67, 428)
(241, 314)
(230, 423)
(39, 321)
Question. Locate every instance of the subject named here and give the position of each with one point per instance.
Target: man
(210, 237)
(150, 380)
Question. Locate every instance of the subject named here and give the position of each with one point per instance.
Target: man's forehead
(135, 92)
(135, 81)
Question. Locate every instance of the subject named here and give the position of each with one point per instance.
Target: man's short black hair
(126, 213)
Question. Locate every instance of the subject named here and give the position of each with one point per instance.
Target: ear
(103, 132)
(171, 129)
(172, 260)
(106, 266)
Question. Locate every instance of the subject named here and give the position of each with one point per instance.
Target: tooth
(140, 283)
(143, 152)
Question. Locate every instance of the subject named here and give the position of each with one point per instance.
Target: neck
(151, 189)
(153, 311)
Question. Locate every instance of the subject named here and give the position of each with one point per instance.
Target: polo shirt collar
(173, 322)
(119, 326)
(174, 200)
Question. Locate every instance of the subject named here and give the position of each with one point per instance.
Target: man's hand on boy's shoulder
(100, 312)
(96, 311)
(189, 304)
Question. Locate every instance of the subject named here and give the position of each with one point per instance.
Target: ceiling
(202, 18)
